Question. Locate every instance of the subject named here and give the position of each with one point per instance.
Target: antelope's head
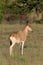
(29, 28)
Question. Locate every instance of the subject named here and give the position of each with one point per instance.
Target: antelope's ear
(27, 22)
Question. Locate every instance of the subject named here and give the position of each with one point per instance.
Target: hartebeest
(19, 37)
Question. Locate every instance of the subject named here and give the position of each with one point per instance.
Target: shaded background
(21, 10)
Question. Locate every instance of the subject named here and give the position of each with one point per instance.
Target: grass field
(33, 49)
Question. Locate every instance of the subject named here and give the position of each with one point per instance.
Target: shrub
(1, 16)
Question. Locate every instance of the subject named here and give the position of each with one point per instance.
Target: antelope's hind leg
(11, 47)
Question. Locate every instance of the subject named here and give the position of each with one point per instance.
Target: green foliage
(19, 6)
(2, 9)
(1, 17)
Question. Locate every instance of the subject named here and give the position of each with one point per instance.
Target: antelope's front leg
(22, 47)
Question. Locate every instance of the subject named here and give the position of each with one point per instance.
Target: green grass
(33, 49)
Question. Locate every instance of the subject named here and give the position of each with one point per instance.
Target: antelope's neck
(26, 31)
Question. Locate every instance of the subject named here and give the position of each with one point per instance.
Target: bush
(1, 16)
(19, 6)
